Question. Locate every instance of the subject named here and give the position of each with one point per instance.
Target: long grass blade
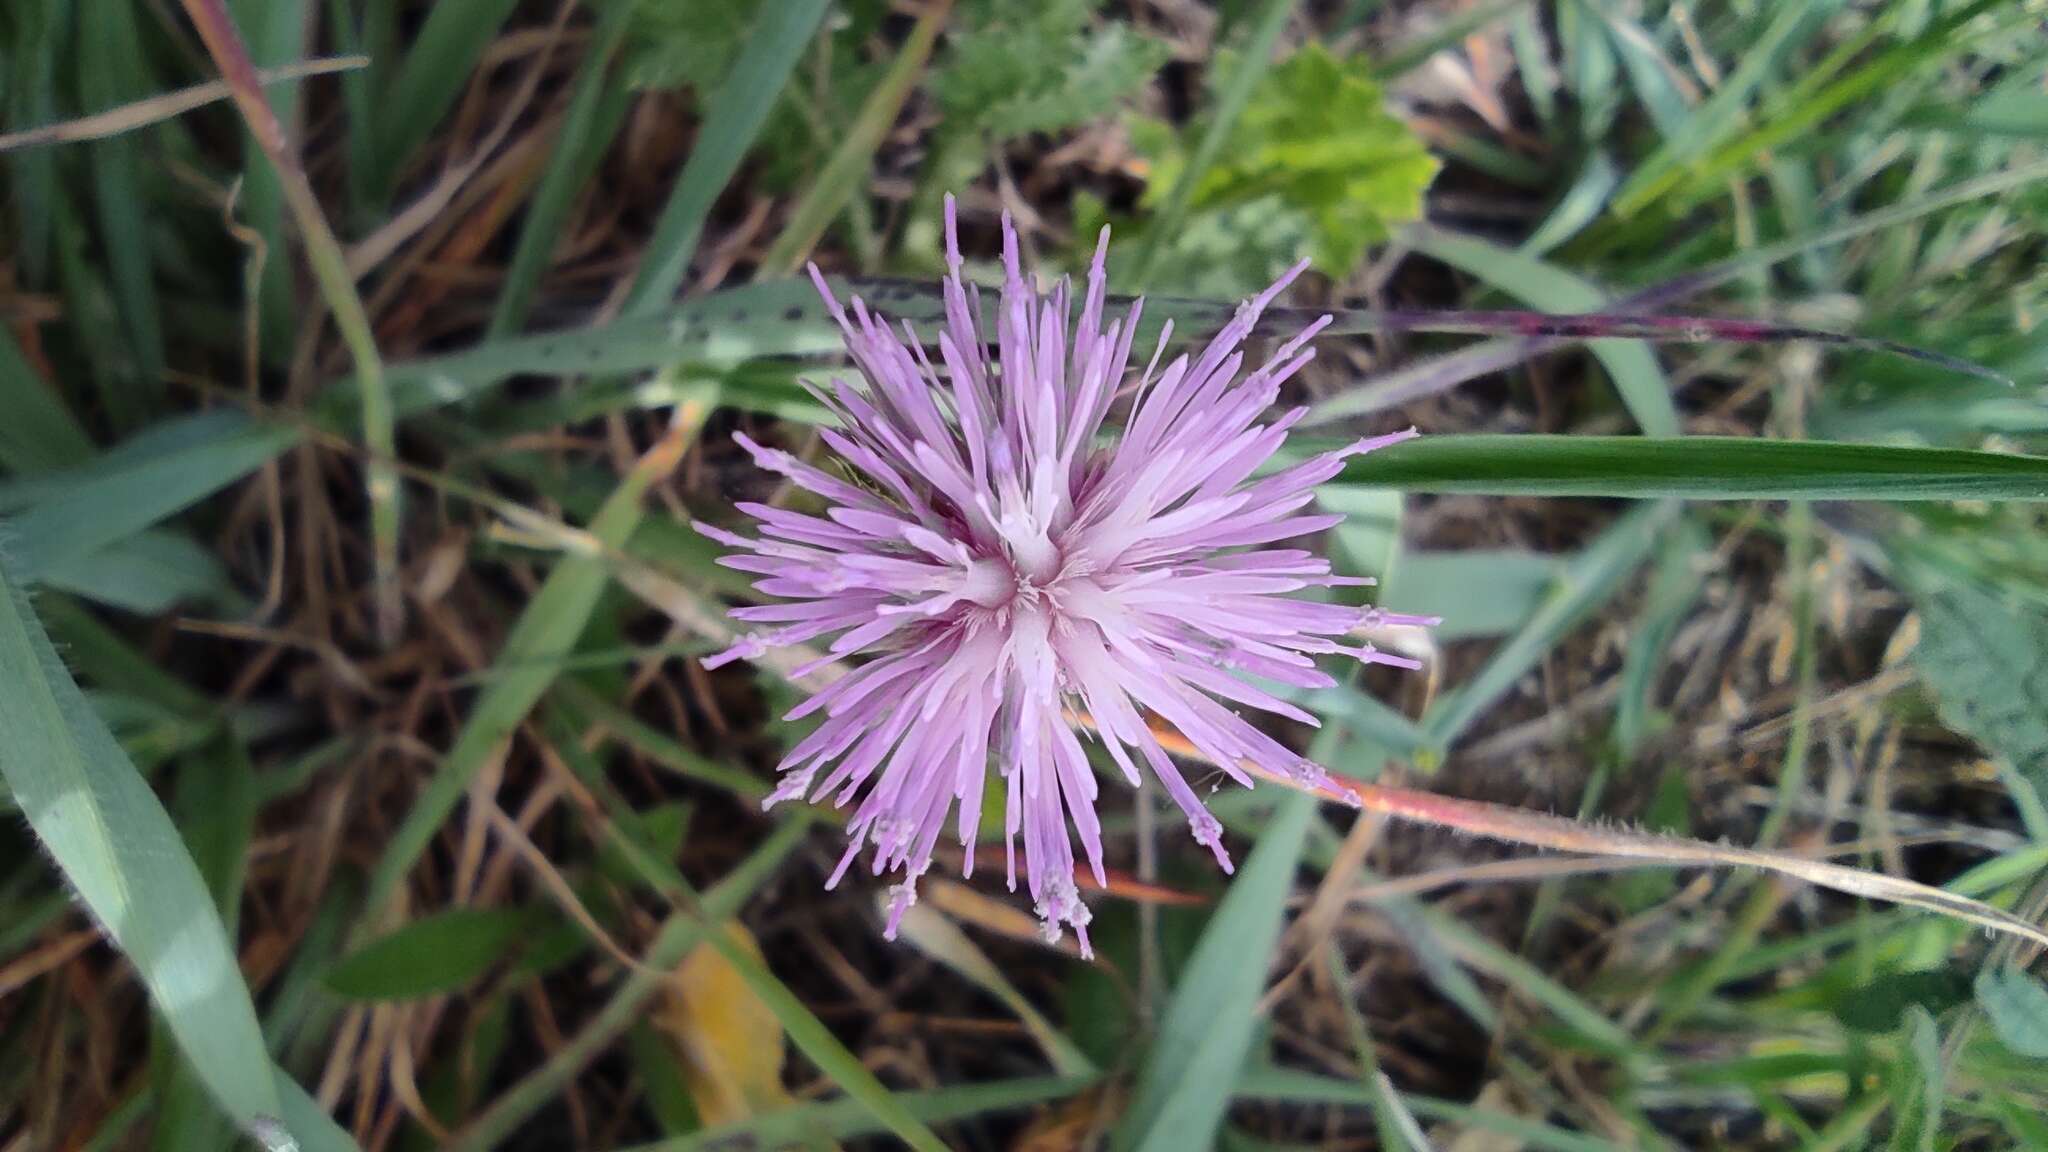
(847, 168)
(732, 120)
(1252, 66)
(1207, 1031)
(1698, 468)
(116, 845)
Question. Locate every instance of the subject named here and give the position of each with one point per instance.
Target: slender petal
(1004, 571)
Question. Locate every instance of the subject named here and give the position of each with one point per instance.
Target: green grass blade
(1230, 104)
(111, 71)
(277, 36)
(732, 119)
(1630, 362)
(546, 630)
(846, 171)
(31, 95)
(1697, 468)
(148, 574)
(1590, 580)
(1791, 26)
(437, 65)
(1286, 1084)
(597, 110)
(79, 512)
(39, 433)
(216, 811)
(823, 1049)
(1207, 1031)
(124, 859)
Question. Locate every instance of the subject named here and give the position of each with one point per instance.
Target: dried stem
(1540, 830)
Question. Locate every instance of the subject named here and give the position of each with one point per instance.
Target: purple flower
(1003, 565)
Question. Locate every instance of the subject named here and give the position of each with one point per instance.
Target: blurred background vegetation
(380, 579)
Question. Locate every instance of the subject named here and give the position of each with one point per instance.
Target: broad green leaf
(1206, 1034)
(1986, 657)
(1697, 468)
(73, 514)
(123, 858)
(444, 952)
(1317, 132)
(2017, 1006)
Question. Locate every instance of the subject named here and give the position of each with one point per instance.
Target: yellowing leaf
(730, 1043)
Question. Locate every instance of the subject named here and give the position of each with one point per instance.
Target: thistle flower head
(1008, 570)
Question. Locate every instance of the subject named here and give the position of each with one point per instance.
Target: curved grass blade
(216, 27)
(124, 859)
(1207, 1031)
(1697, 468)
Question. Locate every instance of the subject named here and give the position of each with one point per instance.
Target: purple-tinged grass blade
(1195, 319)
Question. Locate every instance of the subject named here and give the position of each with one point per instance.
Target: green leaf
(1591, 579)
(1015, 69)
(39, 432)
(444, 952)
(1316, 131)
(1207, 1031)
(73, 514)
(1986, 657)
(597, 110)
(1879, 1005)
(733, 117)
(1480, 592)
(1541, 285)
(123, 858)
(1697, 468)
(2017, 1006)
(148, 574)
(437, 66)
